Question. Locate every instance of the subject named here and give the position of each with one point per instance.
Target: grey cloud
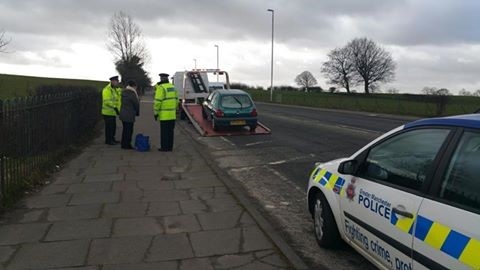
(308, 21)
(440, 73)
(34, 58)
(428, 22)
(38, 26)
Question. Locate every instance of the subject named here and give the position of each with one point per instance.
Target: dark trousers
(166, 135)
(110, 127)
(127, 134)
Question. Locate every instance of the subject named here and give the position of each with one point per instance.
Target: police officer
(111, 108)
(165, 110)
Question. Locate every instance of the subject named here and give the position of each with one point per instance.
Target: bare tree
(125, 38)
(435, 92)
(375, 89)
(476, 93)
(332, 89)
(306, 80)
(339, 68)
(393, 90)
(443, 92)
(372, 63)
(126, 44)
(465, 92)
(429, 90)
(3, 41)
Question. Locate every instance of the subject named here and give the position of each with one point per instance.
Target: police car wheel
(326, 231)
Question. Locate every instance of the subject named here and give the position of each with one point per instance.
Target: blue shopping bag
(142, 143)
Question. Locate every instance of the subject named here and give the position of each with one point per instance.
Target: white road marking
(277, 162)
(256, 143)
(228, 141)
(281, 176)
(241, 169)
(286, 160)
(362, 130)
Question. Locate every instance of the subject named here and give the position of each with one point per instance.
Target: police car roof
(465, 120)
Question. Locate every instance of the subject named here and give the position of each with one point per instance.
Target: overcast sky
(434, 42)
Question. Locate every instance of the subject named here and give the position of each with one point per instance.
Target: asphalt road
(314, 135)
(274, 169)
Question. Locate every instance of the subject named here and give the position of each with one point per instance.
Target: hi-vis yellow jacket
(110, 100)
(166, 102)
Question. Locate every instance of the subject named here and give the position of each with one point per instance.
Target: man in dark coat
(129, 109)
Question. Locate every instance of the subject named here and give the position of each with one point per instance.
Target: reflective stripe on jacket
(166, 102)
(110, 100)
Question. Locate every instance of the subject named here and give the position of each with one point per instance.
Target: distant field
(401, 104)
(18, 86)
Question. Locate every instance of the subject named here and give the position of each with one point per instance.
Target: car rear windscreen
(236, 101)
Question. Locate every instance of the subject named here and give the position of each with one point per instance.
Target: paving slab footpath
(121, 209)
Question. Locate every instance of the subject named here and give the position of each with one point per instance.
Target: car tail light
(219, 113)
(254, 112)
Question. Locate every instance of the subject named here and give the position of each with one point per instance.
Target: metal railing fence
(36, 131)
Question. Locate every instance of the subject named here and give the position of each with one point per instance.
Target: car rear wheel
(204, 115)
(214, 125)
(252, 128)
(325, 227)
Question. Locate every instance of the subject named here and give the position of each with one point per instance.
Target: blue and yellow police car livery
(329, 181)
(408, 200)
(440, 237)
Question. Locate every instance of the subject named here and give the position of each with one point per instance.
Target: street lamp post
(271, 67)
(195, 61)
(217, 61)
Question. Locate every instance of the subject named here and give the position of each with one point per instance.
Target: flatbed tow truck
(193, 89)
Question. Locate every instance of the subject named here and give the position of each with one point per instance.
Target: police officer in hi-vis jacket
(165, 110)
(111, 108)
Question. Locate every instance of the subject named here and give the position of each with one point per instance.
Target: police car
(408, 200)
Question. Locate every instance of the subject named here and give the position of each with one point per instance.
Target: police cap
(114, 78)
(163, 75)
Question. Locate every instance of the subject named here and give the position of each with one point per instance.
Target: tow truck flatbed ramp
(204, 127)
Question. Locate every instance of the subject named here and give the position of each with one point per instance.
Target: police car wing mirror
(348, 167)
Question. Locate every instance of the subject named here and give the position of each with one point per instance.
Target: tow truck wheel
(326, 231)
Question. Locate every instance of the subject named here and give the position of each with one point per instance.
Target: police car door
(448, 223)
(383, 197)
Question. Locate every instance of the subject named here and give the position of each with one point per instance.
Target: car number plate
(237, 123)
